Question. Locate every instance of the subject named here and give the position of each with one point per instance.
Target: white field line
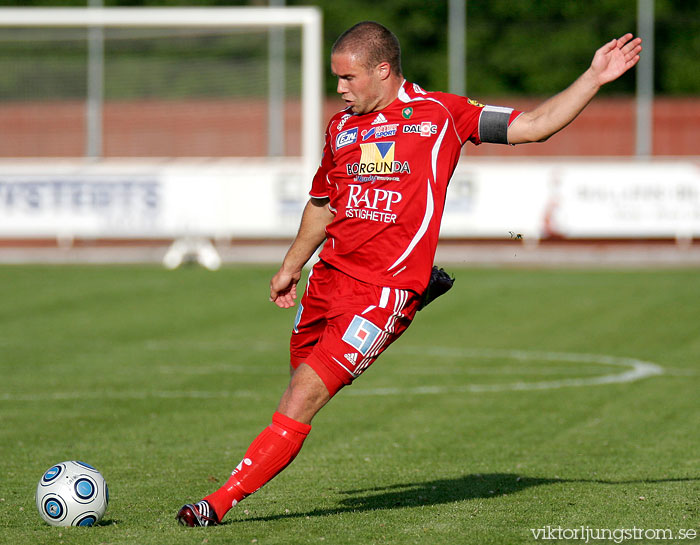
(137, 395)
(636, 370)
(633, 370)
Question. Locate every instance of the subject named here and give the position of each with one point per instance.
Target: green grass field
(487, 419)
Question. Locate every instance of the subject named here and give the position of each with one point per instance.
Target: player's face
(360, 88)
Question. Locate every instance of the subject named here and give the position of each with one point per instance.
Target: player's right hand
(283, 289)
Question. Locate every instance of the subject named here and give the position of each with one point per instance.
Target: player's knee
(305, 395)
(307, 386)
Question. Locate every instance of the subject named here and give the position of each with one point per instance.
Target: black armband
(493, 124)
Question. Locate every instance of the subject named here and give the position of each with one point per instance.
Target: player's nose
(342, 88)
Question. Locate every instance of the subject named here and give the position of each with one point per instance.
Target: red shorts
(343, 324)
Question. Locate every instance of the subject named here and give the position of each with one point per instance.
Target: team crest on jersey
(346, 138)
(407, 112)
(361, 334)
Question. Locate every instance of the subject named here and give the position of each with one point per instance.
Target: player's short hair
(373, 43)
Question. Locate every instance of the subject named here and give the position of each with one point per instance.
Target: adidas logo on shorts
(352, 358)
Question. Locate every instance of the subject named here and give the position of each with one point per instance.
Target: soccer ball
(72, 494)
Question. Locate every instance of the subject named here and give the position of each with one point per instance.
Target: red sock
(270, 452)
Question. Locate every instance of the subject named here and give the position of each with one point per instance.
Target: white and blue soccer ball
(72, 494)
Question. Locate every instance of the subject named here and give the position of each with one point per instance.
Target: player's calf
(270, 452)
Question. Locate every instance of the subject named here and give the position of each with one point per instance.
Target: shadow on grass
(424, 493)
(438, 491)
(442, 491)
(108, 522)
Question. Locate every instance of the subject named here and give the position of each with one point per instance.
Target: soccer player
(376, 204)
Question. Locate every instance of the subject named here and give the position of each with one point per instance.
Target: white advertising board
(574, 199)
(150, 200)
(656, 199)
(487, 200)
(261, 199)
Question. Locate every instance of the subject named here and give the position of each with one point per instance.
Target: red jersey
(386, 174)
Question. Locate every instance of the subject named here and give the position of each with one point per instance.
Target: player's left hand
(615, 58)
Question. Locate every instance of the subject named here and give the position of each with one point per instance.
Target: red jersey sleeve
(465, 113)
(476, 122)
(320, 187)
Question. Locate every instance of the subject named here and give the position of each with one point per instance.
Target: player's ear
(383, 70)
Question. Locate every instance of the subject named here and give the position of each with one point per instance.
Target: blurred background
(139, 141)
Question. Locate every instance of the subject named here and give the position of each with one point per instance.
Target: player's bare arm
(311, 234)
(609, 63)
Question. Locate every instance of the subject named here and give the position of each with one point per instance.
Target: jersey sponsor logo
(377, 153)
(426, 128)
(372, 198)
(346, 138)
(368, 133)
(375, 178)
(373, 204)
(379, 119)
(377, 158)
(380, 132)
(361, 334)
(343, 119)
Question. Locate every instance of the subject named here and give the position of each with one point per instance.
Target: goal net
(168, 82)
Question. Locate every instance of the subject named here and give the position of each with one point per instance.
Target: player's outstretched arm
(312, 232)
(609, 63)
